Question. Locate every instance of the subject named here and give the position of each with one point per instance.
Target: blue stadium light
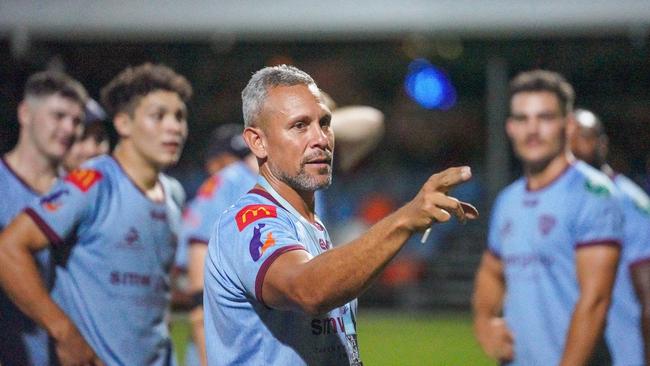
(429, 86)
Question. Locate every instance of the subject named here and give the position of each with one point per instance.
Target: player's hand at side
(433, 204)
(73, 350)
(497, 340)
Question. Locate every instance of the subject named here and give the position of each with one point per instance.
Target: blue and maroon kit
(22, 342)
(623, 331)
(240, 328)
(114, 248)
(536, 235)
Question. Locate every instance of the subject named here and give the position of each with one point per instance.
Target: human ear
(256, 141)
(123, 124)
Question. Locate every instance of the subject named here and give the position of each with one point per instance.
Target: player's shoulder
(591, 182)
(252, 207)
(238, 174)
(632, 192)
(94, 172)
(173, 189)
(7, 176)
(513, 191)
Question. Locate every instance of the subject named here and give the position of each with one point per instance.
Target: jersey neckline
(556, 179)
(142, 192)
(18, 177)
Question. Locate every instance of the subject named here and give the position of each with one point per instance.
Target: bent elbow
(313, 303)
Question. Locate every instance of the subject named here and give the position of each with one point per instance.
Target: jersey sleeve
(494, 241)
(253, 240)
(599, 218)
(637, 235)
(59, 212)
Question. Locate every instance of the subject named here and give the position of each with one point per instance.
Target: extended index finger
(450, 178)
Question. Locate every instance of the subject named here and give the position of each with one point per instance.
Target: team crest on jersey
(256, 246)
(252, 213)
(52, 202)
(546, 224)
(84, 178)
(325, 245)
(209, 187)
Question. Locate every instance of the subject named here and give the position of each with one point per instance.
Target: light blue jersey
(114, 248)
(623, 332)
(240, 329)
(214, 196)
(22, 342)
(536, 235)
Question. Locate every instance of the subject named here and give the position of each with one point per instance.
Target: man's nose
(320, 137)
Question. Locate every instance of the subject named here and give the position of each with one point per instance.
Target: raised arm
(640, 273)
(345, 272)
(596, 271)
(490, 329)
(21, 281)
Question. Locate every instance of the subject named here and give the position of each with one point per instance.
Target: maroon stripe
(494, 253)
(639, 262)
(266, 195)
(142, 192)
(196, 240)
(18, 178)
(591, 243)
(555, 179)
(51, 235)
(259, 280)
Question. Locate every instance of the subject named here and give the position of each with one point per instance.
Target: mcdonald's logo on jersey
(84, 178)
(252, 213)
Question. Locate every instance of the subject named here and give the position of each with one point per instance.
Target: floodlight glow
(429, 86)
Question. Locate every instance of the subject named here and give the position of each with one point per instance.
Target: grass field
(393, 338)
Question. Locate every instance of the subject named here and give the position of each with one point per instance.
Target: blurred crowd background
(365, 54)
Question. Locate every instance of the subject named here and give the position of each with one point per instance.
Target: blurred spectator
(93, 141)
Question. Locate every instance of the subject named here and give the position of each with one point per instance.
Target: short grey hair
(255, 92)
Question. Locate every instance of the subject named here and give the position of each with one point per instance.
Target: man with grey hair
(276, 291)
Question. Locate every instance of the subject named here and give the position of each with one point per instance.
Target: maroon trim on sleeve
(266, 195)
(193, 240)
(51, 235)
(494, 253)
(591, 243)
(259, 280)
(639, 262)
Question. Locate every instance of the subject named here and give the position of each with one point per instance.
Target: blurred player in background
(233, 173)
(92, 142)
(276, 292)
(112, 225)
(627, 335)
(50, 116)
(544, 284)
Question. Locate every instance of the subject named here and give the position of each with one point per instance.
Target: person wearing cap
(233, 171)
(628, 321)
(92, 142)
(50, 116)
